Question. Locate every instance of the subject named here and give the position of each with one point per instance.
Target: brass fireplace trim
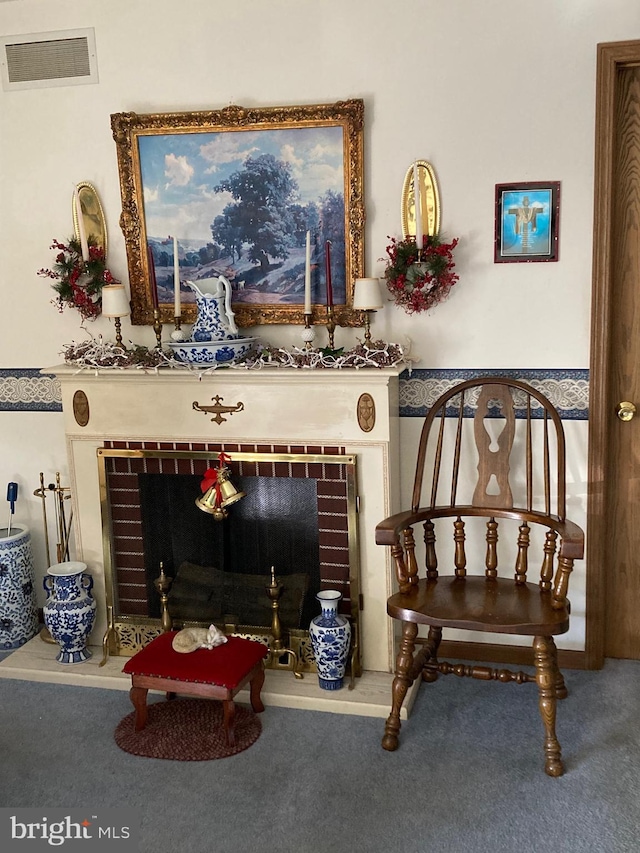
(128, 634)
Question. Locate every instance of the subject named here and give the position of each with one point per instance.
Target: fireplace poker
(40, 493)
(12, 497)
(63, 526)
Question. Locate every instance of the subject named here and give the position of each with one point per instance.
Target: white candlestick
(417, 205)
(307, 276)
(177, 309)
(81, 229)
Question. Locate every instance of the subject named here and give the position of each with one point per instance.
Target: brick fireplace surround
(353, 410)
(126, 515)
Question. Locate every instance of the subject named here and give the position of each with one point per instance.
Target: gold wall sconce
(92, 223)
(420, 184)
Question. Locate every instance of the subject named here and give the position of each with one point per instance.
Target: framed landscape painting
(234, 192)
(527, 216)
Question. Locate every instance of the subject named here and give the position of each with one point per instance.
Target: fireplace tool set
(63, 523)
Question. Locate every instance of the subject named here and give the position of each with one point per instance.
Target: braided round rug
(187, 730)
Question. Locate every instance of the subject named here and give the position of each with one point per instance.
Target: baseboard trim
(497, 653)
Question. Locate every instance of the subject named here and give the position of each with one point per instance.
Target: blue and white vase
(18, 606)
(330, 639)
(70, 610)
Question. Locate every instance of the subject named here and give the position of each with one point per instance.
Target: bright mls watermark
(69, 829)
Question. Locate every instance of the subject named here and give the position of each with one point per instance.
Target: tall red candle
(327, 261)
(152, 278)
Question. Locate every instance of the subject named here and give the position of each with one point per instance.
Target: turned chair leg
(432, 646)
(545, 657)
(561, 687)
(401, 683)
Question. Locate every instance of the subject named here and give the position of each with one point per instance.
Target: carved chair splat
(519, 482)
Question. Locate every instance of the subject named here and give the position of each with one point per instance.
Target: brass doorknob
(625, 410)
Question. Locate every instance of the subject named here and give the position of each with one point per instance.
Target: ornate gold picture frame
(239, 189)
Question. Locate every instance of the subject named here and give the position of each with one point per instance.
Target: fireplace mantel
(356, 410)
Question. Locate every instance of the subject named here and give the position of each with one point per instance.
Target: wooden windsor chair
(481, 483)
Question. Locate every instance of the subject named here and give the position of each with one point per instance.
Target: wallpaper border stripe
(25, 389)
(568, 389)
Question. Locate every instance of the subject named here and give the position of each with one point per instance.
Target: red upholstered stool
(218, 673)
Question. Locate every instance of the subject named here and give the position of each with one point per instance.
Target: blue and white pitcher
(215, 320)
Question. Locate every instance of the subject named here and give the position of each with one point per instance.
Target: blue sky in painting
(180, 170)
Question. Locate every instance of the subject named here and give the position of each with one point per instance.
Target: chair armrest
(387, 531)
(571, 535)
(572, 539)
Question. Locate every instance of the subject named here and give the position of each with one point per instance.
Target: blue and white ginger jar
(18, 606)
(70, 610)
(330, 639)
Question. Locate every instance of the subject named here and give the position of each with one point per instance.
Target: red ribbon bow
(210, 479)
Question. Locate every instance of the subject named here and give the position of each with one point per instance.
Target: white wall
(489, 92)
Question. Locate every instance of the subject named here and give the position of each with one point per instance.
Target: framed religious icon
(234, 193)
(527, 217)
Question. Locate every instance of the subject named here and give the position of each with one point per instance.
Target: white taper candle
(307, 276)
(177, 305)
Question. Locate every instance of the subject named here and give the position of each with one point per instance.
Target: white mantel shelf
(272, 407)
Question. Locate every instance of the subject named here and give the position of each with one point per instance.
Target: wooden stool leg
(229, 720)
(401, 683)
(138, 696)
(546, 678)
(255, 687)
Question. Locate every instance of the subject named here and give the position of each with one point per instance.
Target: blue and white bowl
(211, 352)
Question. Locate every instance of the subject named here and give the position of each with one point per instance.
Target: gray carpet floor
(468, 776)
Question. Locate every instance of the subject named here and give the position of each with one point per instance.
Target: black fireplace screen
(221, 568)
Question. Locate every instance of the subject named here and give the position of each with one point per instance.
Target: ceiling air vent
(38, 60)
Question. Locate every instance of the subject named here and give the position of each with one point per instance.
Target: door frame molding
(611, 57)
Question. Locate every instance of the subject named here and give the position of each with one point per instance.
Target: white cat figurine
(190, 639)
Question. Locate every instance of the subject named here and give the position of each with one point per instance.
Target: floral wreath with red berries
(77, 282)
(418, 284)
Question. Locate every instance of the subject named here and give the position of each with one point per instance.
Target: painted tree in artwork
(260, 214)
(332, 229)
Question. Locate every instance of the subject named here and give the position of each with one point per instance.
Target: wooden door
(613, 580)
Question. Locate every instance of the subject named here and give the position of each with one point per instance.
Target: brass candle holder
(163, 584)
(157, 327)
(277, 649)
(178, 333)
(308, 333)
(331, 326)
